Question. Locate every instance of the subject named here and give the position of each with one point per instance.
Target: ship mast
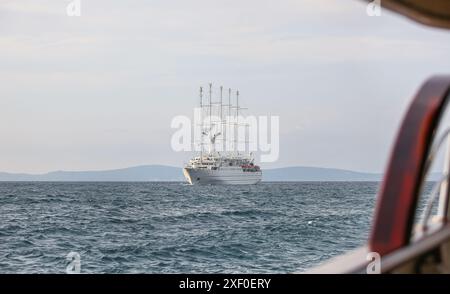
(201, 126)
(229, 115)
(210, 105)
(221, 98)
(210, 118)
(237, 123)
(221, 115)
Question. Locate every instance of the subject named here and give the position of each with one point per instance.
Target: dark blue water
(176, 228)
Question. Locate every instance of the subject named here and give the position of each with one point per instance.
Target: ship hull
(223, 176)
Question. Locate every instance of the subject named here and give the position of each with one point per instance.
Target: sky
(99, 91)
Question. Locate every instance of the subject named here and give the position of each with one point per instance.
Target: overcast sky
(99, 91)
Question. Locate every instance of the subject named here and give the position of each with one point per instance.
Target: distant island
(169, 173)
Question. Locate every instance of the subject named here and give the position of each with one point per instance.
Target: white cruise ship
(231, 167)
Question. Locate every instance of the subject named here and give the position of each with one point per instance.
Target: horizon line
(171, 166)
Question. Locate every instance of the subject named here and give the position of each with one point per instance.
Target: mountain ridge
(170, 173)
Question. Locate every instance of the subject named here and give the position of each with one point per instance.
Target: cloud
(325, 67)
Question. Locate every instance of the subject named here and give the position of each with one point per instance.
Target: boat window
(433, 204)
